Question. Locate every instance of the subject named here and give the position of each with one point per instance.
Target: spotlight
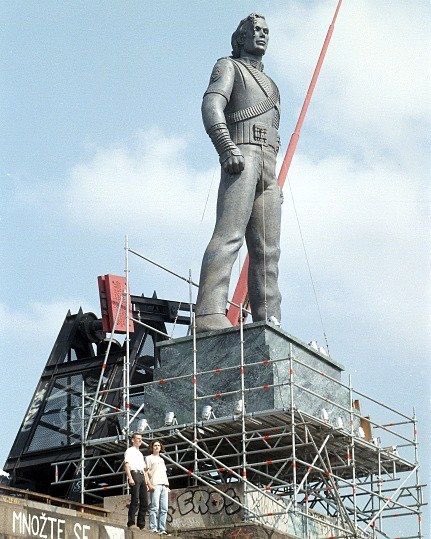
(142, 425)
(361, 432)
(324, 414)
(377, 441)
(314, 345)
(339, 423)
(239, 407)
(323, 351)
(274, 321)
(392, 449)
(170, 419)
(207, 413)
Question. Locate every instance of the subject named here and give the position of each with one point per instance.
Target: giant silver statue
(241, 112)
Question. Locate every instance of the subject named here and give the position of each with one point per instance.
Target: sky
(103, 138)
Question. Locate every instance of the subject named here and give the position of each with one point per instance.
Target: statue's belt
(254, 133)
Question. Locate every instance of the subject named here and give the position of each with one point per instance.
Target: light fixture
(170, 419)
(274, 321)
(314, 345)
(377, 441)
(239, 407)
(339, 423)
(324, 414)
(207, 412)
(142, 425)
(361, 432)
(323, 351)
(392, 449)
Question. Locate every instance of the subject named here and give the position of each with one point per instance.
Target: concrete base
(266, 376)
(202, 512)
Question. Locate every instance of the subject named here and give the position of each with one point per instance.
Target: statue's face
(256, 38)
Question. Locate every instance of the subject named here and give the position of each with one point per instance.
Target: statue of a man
(241, 112)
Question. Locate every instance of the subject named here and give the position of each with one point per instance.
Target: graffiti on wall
(203, 502)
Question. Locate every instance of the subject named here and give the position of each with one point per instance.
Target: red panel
(111, 290)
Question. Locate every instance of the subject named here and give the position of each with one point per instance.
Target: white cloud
(374, 85)
(366, 236)
(40, 320)
(146, 185)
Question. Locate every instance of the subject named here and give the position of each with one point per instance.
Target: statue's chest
(251, 86)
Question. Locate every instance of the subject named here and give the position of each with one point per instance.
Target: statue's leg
(263, 243)
(235, 200)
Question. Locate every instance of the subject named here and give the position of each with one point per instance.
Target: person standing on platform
(159, 488)
(135, 467)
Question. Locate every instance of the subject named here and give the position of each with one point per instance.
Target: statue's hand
(232, 161)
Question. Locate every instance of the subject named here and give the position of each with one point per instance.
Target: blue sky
(102, 137)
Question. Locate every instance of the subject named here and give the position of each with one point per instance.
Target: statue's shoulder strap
(263, 81)
(272, 97)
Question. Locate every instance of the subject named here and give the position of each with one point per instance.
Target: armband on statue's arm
(220, 137)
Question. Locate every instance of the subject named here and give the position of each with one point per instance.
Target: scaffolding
(357, 475)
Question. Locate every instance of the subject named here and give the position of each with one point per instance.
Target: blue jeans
(158, 508)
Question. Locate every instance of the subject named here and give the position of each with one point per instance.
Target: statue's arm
(213, 105)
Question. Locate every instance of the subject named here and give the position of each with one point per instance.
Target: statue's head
(251, 36)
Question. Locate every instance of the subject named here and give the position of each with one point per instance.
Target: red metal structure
(240, 296)
(111, 290)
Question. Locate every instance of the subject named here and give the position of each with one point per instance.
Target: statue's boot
(211, 322)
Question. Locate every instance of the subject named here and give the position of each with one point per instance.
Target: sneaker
(165, 533)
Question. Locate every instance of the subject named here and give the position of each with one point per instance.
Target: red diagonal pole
(240, 296)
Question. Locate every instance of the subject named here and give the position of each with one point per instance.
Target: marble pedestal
(267, 351)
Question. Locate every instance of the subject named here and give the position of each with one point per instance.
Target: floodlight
(392, 449)
(314, 345)
(207, 412)
(274, 321)
(169, 418)
(142, 425)
(361, 432)
(324, 414)
(377, 441)
(239, 407)
(339, 423)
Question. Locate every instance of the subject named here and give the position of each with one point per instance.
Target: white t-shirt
(157, 470)
(134, 458)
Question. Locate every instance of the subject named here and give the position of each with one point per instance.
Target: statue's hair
(240, 33)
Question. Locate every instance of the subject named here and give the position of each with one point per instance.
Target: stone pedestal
(203, 512)
(266, 351)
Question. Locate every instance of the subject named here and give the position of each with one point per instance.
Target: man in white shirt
(159, 488)
(134, 465)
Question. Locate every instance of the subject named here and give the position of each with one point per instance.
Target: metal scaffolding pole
(292, 426)
(195, 401)
(127, 342)
(82, 441)
(242, 408)
(418, 490)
